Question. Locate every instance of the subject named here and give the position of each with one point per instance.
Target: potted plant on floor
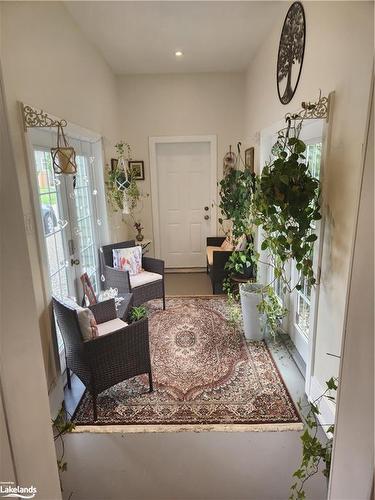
(236, 198)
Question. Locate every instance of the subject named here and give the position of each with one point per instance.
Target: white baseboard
(326, 407)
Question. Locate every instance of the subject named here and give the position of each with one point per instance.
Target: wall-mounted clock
(291, 51)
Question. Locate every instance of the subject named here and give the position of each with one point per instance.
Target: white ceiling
(142, 37)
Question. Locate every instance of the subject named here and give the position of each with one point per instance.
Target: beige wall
(49, 64)
(338, 56)
(172, 105)
(355, 416)
(22, 380)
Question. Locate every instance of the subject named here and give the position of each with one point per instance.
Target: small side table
(125, 305)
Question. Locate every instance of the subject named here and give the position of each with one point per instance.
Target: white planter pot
(250, 298)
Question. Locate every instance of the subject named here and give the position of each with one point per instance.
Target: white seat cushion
(143, 278)
(210, 253)
(110, 326)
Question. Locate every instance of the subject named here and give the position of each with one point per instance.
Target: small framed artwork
(137, 170)
(249, 159)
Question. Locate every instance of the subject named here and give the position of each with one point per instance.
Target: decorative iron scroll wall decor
(63, 156)
(38, 118)
(291, 52)
(310, 111)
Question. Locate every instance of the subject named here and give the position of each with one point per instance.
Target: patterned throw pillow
(128, 259)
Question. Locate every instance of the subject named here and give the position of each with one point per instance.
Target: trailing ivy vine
(313, 451)
(236, 197)
(286, 206)
(62, 425)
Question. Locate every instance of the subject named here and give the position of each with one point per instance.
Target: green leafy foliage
(62, 425)
(272, 309)
(314, 452)
(116, 177)
(236, 195)
(286, 205)
(242, 261)
(138, 313)
(115, 196)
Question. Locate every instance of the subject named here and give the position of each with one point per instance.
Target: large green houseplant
(284, 202)
(236, 197)
(286, 206)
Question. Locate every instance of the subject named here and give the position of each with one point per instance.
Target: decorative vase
(139, 235)
(250, 298)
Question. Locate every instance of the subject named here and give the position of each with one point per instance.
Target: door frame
(154, 177)
(35, 232)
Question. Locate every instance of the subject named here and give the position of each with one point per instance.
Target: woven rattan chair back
(67, 320)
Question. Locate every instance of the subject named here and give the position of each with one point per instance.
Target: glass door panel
(69, 221)
(301, 300)
(86, 223)
(55, 227)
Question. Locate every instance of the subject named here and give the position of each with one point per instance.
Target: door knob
(74, 262)
(206, 217)
(206, 208)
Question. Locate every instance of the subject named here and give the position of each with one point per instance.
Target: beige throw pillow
(86, 320)
(87, 323)
(227, 245)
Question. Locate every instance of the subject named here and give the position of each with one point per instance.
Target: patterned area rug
(204, 373)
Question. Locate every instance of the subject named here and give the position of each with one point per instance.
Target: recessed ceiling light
(178, 53)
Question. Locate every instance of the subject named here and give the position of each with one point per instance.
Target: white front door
(185, 205)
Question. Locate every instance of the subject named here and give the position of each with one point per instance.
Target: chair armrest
(114, 278)
(215, 241)
(104, 311)
(220, 259)
(153, 265)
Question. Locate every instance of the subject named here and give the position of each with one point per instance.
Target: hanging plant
(122, 190)
(286, 205)
(236, 197)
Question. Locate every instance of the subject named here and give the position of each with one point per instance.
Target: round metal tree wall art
(291, 51)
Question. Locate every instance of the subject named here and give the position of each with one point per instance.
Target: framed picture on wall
(249, 159)
(137, 170)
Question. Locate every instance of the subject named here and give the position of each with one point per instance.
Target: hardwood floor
(188, 284)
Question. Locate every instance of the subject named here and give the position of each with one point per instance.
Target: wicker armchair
(120, 279)
(106, 360)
